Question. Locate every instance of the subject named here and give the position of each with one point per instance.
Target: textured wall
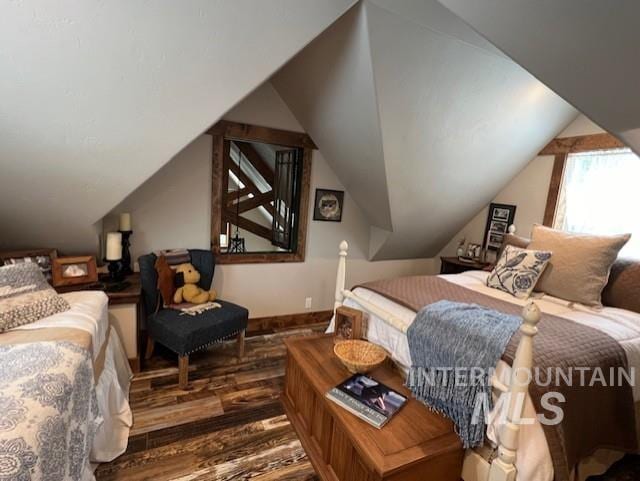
(528, 191)
(97, 96)
(585, 50)
(454, 118)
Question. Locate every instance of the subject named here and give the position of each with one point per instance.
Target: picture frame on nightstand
(71, 271)
(350, 323)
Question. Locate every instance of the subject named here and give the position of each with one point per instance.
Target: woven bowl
(359, 356)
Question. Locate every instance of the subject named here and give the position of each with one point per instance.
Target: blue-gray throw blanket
(454, 349)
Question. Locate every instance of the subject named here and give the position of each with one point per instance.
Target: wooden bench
(416, 444)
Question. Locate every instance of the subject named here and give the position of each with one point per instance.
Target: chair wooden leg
(241, 344)
(150, 345)
(183, 371)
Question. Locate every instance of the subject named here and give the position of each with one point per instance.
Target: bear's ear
(179, 280)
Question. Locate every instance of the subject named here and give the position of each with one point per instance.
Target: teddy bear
(190, 292)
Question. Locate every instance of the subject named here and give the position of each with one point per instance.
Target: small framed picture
(474, 250)
(69, 271)
(328, 205)
(43, 257)
(349, 324)
(500, 217)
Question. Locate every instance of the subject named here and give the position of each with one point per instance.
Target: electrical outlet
(307, 303)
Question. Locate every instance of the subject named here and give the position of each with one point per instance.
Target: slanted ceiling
(96, 96)
(422, 119)
(585, 50)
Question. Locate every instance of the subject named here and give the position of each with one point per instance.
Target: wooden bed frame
(475, 467)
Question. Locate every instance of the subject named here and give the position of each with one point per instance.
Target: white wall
(97, 96)
(172, 210)
(419, 116)
(528, 191)
(586, 51)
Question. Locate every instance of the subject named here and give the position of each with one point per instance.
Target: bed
(77, 377)
(387, 324)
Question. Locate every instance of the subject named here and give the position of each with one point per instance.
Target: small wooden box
(350, 323)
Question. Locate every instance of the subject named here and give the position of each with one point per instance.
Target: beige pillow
(513, 240)
(580, 266)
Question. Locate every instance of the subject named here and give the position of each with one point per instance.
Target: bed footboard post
(503, 467)
(342, 272)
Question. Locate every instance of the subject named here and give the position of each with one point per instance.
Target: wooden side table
(125, 312)
(453, 265)
(415, 444)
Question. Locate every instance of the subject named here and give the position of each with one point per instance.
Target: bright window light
(600, 195)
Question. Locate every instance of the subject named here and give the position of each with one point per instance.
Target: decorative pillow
(580, 266)
(166, 280)
(518, 270)
(26, 296)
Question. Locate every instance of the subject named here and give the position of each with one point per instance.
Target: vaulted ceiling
(97, 96)
(422, 119)
(585, 50)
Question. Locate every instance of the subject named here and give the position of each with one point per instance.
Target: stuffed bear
(190, 292)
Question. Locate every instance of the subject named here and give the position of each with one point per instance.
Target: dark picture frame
(43, 257)
(328, 205)
(500, 217)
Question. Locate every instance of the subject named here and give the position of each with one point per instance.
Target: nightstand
(453, 265)
(124, 315)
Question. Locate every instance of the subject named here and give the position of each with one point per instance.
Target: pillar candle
(114, 246)
(125, 222)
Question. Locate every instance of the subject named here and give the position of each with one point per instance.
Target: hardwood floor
(229, 425)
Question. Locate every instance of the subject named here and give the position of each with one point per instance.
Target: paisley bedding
(48, 412)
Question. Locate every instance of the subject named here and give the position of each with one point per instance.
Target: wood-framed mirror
(260, 193)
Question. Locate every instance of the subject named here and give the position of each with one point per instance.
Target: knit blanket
(454, 348)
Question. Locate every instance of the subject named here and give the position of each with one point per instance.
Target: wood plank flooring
(229, 424)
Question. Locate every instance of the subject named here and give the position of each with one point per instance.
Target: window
(260, 193)
(599, 194)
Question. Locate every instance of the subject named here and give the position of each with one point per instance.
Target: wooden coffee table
(416, 444)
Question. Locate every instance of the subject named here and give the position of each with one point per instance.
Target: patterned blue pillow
(518, 270)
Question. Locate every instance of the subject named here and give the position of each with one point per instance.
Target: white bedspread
(89, 312)
(534, 461)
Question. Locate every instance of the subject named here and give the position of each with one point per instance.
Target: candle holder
(126, 254)
(116, 273)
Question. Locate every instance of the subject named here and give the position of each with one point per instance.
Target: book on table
(368, 399)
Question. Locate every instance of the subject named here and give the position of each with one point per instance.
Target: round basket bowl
(359, 356)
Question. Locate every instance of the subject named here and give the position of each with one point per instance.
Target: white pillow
(518, 270)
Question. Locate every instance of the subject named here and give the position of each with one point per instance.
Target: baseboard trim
(269, 324)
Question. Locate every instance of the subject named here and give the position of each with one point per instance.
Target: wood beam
(255, 133)
(263, 200)
(248, 225)
(555, 184)
(232, 196)
(582, 143)
(244, 178)
(257, 161)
